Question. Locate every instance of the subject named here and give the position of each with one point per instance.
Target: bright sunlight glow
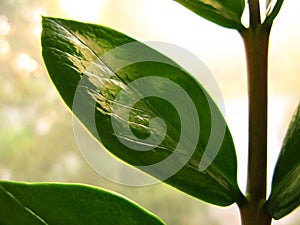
(88, 10)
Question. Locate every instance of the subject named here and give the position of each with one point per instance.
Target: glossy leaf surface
(285, 194)
(53, 203)
(75, 51)
(226, 13)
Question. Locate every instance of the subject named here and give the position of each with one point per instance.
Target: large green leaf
(226, 13)
(285, 194)
(54, 203)
(82, 60)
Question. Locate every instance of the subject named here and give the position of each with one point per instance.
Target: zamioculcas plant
(123, 92)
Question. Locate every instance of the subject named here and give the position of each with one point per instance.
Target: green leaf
(135, 118)
(226, 13)
(269, 5)
(54, 203)
(272, 10)
(285, 194)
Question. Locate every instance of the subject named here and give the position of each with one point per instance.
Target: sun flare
(88, 10)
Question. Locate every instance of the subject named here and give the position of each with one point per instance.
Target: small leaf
(269, 6)
(226, 13)
(135, 118)
(272, 9)
(285, 194)
(54, 203)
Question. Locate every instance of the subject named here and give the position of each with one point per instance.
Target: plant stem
(256, 44)
(254, 12)
(256, 40)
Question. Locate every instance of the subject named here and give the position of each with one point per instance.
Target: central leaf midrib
(26, 208)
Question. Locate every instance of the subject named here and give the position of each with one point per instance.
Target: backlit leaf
(151, 132)
(65, 204)
(285, 195)
(226, 13)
